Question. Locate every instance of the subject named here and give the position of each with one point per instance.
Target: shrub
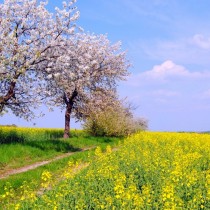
(113, 121)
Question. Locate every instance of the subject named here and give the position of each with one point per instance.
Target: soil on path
(37, 164)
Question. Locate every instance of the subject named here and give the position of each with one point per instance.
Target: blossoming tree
(40, 61)
(90, 64)
(27, 32)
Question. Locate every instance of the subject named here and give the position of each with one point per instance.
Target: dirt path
(37, 164)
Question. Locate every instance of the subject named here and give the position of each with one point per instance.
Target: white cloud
(166, 69)
(200, 41)
(166, 72)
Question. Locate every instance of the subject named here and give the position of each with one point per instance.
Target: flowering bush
(114, 120)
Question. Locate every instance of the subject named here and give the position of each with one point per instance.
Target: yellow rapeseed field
(150, 170)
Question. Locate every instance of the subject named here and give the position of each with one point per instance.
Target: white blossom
(28, 31)
(49, 76)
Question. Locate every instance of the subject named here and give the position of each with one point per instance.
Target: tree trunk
(67, 121)
(1, 107)
(9, 95)
(69, 105)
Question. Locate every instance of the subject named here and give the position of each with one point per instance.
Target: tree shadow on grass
(11, 137)
(103, 139)
(56, 145)
(51, 142)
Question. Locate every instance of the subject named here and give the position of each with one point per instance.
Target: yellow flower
(17, 206)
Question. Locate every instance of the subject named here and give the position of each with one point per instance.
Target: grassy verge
(46, 145)
(22, 146)
(55, 168)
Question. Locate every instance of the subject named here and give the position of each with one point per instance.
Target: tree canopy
(27, 31)
(44, 58)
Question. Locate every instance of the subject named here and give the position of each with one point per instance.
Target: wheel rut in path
(37, 164)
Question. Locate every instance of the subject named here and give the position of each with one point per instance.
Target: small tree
(27, 32)
(89, 64)
(115, 119)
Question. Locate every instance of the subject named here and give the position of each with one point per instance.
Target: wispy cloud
(164, 93)
(189, 50)
(156, 9)
(200, 41)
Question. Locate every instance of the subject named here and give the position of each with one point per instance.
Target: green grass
(24, 146)
(16, 154)
(34, 176)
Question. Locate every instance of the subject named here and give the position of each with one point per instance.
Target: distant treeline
(12, 125)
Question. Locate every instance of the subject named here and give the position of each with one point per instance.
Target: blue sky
(168, 44)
